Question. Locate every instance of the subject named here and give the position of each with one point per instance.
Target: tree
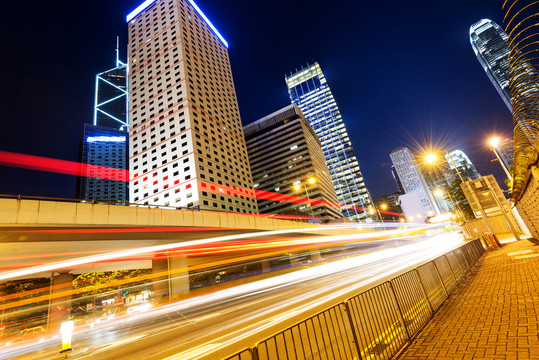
(456, 194)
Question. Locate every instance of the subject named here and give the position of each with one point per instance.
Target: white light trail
(137, 251)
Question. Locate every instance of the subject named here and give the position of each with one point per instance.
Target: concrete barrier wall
(42, 213)
(528, 205)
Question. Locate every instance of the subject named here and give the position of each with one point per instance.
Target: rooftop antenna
(117, 51)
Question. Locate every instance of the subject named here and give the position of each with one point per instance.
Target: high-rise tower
(105, 142)
(285, 154)
(187, 147)
(412, 179)
(309, 90)
(465, 167)
(489, 43)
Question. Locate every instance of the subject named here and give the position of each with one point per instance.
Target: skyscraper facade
(465, 167)
(105, 143)
(412, 179)
(187, 147)
(105, 148)
(397, 180)
(489, 43)
(309, 90)
(111, 96)
(506, 150)
(285, 154)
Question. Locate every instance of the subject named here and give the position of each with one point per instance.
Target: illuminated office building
(187, 147)
(309, 90)
(506, 150)
(465, 167)
(111, 95)
(284, 153)
(106, 148)
(489, 42)
(105, 143)
(413, 181)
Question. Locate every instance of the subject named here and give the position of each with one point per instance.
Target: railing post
(424, 290)
(399, 310)
(440, 277)
(354, 331)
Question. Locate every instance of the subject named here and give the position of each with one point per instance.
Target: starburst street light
(432, 158)
(494, 143)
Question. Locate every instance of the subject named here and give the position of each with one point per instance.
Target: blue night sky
(402, 73)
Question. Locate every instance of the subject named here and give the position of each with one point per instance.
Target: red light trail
(80, 169)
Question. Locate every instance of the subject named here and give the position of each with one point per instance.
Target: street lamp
(372, 211)
(431, 158)
(494, 144)
(298, 187)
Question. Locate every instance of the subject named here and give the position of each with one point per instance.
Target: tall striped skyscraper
(187, 147)
(310, 91)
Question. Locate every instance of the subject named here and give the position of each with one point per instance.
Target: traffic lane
(97, 338)
(237, 319)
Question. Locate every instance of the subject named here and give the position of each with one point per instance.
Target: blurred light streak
(314, 242)
(417, 252)
(40, 163)
(33, 162)
(137, 251)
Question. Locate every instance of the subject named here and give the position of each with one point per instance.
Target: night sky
(403, 74)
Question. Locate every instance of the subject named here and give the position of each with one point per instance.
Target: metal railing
(375, 324)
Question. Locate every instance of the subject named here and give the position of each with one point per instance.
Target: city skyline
(69, 110)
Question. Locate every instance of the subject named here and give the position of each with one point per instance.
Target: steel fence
(376, 323)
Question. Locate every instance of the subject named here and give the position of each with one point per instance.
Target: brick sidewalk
(493, 314)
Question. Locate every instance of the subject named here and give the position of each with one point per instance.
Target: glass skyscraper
(466, 168)
(105, 143)
(489, 42)
(107, 149)
(309, 90)
(111, 96)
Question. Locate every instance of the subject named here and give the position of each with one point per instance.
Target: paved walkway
(493, 314)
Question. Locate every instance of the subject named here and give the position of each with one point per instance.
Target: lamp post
(494, 143)
(298, 187)
(372, 211)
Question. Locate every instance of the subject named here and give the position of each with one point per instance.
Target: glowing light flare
(431, 158)
(494, 142)
(33, 162)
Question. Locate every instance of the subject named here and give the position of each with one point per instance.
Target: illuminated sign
(147, 3)
(208, 22)
(93, 139)
(138, 10)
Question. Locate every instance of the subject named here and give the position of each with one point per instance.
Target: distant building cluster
(424, 187)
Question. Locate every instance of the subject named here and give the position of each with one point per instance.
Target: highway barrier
(377, 323)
